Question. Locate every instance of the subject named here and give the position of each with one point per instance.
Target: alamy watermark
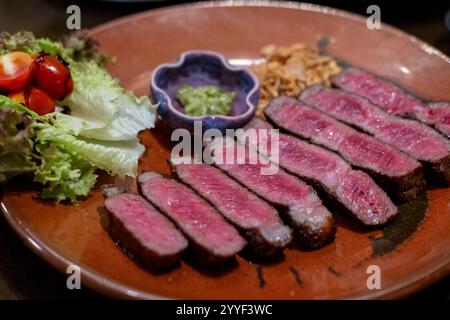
(74, 279)
(73, 21)
(374, 20)
(374, 279)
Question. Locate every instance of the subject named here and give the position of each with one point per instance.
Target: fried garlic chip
(290, 69)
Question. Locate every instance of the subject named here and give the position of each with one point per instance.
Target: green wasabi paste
(205, 100)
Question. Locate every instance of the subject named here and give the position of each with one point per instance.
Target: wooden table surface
(23, 275)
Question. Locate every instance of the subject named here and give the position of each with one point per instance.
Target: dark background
(424, 19)
(25, 276)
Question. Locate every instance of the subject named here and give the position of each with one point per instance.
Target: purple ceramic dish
(198, 68)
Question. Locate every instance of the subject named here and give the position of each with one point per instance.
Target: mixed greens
(62, 151)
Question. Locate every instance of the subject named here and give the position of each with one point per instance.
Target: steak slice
(257, 220)
(298, 202)
(215, 240)
(365, 199)
(393, 98)
(317, 166)
(141, 230)
(395, 171)
(381, 92)
(416, 139)
(353, 189)
(437, 114)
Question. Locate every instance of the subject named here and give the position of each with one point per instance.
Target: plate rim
(116, 289)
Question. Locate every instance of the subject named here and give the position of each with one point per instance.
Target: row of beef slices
(338, 142)
(216, 214)
(375, 126)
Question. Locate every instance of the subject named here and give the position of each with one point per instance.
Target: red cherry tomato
(39, 101)
(52, 76)
(15, 68)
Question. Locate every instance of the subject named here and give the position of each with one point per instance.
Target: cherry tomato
(18, 96)
(52, 76)
(39, 101)
(69, 87)
(15, 68)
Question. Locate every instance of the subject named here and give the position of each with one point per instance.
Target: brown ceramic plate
(412, 252)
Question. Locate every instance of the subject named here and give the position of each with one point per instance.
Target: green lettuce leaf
(69, 161)
(55, 49)
(8, 103)
(84, 48)
(117, 157)
(64, 175)
(74, 47)
(26, 42)
(16, 155)
(21, 41)
(110, 113)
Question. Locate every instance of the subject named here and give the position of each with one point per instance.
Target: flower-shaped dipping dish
(200, 68)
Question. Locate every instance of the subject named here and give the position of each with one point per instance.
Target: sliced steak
(392, 98)
(437, 114)
(215, 239)
(365, 199)
(396, 172)
(298, 202)
(255, 218)
(381, 92)
(318, 166)
(353, 189)
(141, 230)
(416, 139)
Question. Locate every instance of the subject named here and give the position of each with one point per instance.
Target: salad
(62, 116)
